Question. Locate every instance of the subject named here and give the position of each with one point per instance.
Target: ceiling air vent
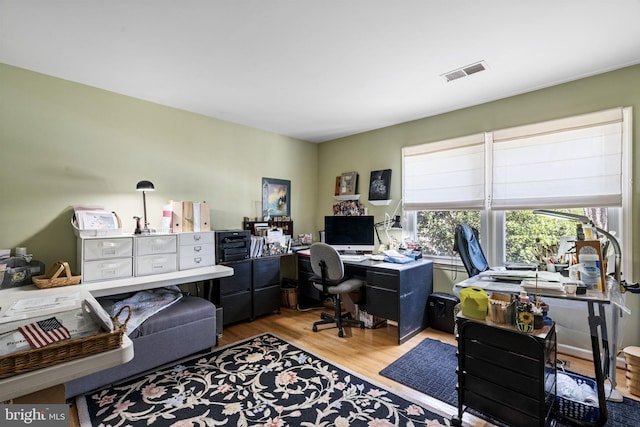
(465, 71)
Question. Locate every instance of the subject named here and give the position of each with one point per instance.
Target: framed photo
(338, 182)
(349, 184)
(276, 200)
(380, 185)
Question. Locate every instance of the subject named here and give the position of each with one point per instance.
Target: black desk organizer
(506, 375)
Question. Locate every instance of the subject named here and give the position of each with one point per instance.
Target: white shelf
(348, 197)
(380, 202)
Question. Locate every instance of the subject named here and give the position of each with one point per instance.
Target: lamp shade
(144, 186)
(396, 225)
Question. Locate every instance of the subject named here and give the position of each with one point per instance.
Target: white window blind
(572, 162)
(445, 175)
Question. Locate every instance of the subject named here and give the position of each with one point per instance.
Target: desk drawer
(107, 248)
(239, 282)
(382, 302)
(155, 264)
(266, 272)
(156, 245)
(107, 269)
(383, 279)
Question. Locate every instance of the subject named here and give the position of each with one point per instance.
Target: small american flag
(44, 332)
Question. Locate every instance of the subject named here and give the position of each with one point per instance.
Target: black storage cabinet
(506, 375)
(252, 291)
(441, 311)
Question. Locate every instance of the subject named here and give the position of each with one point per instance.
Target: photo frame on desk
(276, 200)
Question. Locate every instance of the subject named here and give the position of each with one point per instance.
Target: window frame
(493, 227)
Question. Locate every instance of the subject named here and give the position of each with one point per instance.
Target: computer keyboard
(352, 257)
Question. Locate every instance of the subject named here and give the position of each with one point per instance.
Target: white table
(30, 382)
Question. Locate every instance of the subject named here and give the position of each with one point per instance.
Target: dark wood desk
(396, 292)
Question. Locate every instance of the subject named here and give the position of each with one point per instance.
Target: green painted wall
(381, 149)
(65, 144)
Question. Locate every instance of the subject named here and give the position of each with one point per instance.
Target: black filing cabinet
(253, 290)
(233, 293)
(505, 374)
(266, 285)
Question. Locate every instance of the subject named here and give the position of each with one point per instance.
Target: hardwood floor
(364, 352)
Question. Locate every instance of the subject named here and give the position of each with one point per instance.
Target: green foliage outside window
(524, 231)
(436, 229)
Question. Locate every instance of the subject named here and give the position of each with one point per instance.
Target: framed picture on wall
(349, 183)
(276, 198)
(380, 185)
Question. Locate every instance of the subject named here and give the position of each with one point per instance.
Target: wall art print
(380, 185)
(276, 199)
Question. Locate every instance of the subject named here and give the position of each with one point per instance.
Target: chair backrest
(334, 267)
(466, 243)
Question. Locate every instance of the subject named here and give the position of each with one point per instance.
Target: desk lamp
(615, 313)
(145, 186)
(387, 225)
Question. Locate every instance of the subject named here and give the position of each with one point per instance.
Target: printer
(232, 245)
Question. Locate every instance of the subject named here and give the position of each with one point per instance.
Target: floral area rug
(263, 381)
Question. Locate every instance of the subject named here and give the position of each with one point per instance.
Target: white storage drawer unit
(155, 254)
(105, 258)
(196, 250)
(108, 248)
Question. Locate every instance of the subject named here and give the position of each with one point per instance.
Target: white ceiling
(318, 70)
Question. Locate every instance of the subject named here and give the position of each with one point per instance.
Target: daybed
(181, 329)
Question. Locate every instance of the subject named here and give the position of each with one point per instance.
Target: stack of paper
(95, 219)
(543, 287)
(518, 275)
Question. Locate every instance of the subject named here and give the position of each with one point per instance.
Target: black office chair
(467, 245)
(329, 279)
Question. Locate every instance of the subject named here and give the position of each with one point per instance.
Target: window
(494, 180)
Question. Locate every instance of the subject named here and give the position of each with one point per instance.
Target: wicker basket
(63, 351)
(578, 411)
(52, 278)
(632, 374)
(289, 297)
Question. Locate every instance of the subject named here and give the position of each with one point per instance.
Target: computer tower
(440, 307)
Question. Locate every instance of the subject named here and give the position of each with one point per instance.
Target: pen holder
(524, 318)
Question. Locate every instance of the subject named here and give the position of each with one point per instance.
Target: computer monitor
(350, 233)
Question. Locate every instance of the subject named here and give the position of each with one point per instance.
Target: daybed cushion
(184, 328)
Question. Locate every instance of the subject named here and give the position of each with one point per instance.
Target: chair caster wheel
(315, 328)
(457, 422)
(341, 333)
(361, 326)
